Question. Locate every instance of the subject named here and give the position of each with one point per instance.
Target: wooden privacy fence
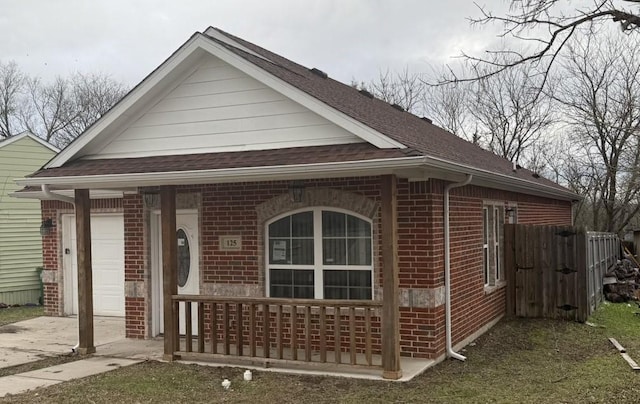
(556, 271)
(603, 250)
(271, 330)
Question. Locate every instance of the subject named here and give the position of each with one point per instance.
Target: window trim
(485, 246)
(494, 213)
(318, 266)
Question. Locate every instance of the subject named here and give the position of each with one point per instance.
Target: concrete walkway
(42, 337)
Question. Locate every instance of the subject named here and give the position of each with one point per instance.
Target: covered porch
(263, 331)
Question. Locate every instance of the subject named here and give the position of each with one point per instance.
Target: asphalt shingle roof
(419, 135)
(404, 127)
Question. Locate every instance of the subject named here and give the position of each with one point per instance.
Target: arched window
(319, 253)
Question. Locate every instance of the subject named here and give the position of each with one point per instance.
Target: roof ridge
(266, 53)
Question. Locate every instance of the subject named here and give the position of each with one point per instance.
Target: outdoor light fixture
(296, 190)
(46, 227)
(151, 200)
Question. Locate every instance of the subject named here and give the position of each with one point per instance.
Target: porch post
(169, 260)
(390, 292)
(85, 276)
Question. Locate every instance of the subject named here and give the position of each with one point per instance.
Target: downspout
(57, 197)
(447, 267)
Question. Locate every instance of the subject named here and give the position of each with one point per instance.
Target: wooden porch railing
(321, 331)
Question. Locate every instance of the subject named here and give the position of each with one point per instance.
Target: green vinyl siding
(20, 241)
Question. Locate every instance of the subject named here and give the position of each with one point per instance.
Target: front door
(188, 267)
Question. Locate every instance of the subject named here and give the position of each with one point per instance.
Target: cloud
(128, 39)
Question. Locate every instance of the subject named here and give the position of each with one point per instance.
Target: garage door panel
(107, 261)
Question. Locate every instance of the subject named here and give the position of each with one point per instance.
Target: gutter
(301, 171)
(447, 267)
(260, 173)
(56, 197)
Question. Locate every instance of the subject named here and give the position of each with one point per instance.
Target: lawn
(13, 314)
(518, 361)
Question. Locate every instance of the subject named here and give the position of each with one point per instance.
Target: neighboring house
(287, 184)
(20, 242)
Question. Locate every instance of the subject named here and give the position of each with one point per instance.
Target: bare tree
(448, 107)
(599, 93)
(62, 110)
(511, 114)
(11, 86)
(93, 95)
(546, 27)
(405, 89)
(50, 109)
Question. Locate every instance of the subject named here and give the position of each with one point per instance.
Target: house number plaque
(230, 243)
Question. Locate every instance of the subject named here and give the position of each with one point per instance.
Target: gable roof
(27, 134)
(375, 121)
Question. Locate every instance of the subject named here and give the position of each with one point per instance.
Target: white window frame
(493, 217)
(318, 267)
(485, 245)
(498, 241)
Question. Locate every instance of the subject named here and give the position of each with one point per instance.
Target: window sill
(489, 289)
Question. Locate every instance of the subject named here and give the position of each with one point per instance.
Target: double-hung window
(492, 243)
(320, 253)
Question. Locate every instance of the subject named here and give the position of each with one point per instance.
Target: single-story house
(20, 243)
(329, 220)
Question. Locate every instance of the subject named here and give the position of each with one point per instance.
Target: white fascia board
(129, 100)
(490, 179)
(346, 122)
(241, 174)
(430, 165)
(93, 194)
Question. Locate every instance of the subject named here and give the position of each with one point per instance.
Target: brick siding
(230, 209)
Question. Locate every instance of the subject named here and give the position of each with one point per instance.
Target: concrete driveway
(41, 337)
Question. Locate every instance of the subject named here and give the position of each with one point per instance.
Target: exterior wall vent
(319, 72)
(366, 93)
(424, 118)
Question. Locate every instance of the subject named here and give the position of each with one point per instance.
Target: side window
(493, 220)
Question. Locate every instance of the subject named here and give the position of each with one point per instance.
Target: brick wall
(135, 265)
(233, 209)
(473, 305)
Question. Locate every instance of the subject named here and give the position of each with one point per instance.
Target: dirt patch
(11, 329)
(40, 364)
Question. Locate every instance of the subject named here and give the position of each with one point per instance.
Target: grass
(14, 314)
(518, 361)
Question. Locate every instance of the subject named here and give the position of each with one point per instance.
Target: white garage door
(107, 258)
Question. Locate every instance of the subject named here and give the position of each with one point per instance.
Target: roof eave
(428, 165)
(226, 175)
(502, 181)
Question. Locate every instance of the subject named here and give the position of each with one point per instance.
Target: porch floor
(152, 349)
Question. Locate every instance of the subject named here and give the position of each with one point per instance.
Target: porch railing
(321, 331)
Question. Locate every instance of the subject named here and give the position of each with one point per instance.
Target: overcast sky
(348, 39)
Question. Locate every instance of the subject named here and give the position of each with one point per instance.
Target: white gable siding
(218, 108)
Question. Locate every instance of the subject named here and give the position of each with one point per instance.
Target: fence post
(510, 268)
(583, 303)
